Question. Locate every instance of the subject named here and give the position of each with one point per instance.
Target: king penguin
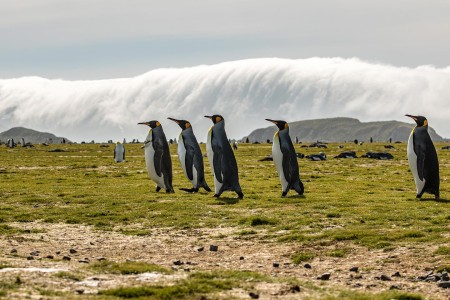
(191, 157)
(285, 159)
(157, 157)
(119, 152)
(221, 158)
(422, 158)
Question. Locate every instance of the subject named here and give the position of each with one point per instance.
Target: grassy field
(348, 204)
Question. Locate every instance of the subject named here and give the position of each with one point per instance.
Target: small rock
(394, 287)
(396, 274)
(101, 258)
(253, 295)
(34, 253)
(178, 263)
(58, 252)
(72, 251)
(49, 257)
(241, 258)
(385, 278)
(325, 276)
(187, 269)
(200, 249)
(294, 289)
(213, 248)
(13, 251)
(445, 276)
(30, 257)
(66, 258)
(80, 291)
(91, 243)
(354, 269)
(83, 261)
(307, 266)
(444, 284)
(276, 264)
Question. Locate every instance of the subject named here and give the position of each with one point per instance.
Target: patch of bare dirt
(165, 246)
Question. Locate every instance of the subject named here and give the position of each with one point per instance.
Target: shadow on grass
(227, 200)
(435, 200)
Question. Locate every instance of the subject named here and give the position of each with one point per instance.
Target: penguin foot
(436, 196)
(170, 191)
(207, 189)
(158, 188)
(216, 195)
(283, 194)
(240, 195)
(418, 196)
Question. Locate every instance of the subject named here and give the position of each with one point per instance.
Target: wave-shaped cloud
(245, 92)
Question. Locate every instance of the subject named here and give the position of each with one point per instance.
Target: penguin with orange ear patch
(157, 157)
(422, 158)
(222, 160)
(285, 159)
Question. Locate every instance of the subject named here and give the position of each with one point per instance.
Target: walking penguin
(285, 159)
(157, 157)
(221, 158)
(422, 158)
(191, 157)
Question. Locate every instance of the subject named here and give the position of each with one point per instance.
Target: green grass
(126, 268)
(347, 202)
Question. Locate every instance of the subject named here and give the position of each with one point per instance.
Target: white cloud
(245, 92)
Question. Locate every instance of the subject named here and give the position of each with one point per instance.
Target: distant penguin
(191, 157)
(422, 158)
(285, 159)
(157, 157)
(221, 158)
(119, 152)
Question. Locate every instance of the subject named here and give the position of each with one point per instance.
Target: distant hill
(30, 136)
(342, 129)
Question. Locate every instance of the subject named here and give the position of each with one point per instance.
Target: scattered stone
(200, 249)
(91, 243)
(188, 263)
(444, 284)
(50, 257)
(253, 295)
(394, 287)
(66, 258)
(187, 269)
(80, 291)
(294, 289)
(83, 261)
(396, 274)
(307, 266)
(384, 277)
(213, 248)
(325, 276)
(30, 257)
(354, 269)
(34, 253)
(13, 251)
(241, 258)
(101, 258)
(276, 264)
(58, 252)
(178, 263)
(72, 251)
(445, 276)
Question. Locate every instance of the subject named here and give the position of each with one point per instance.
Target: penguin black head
(215, 118)
(280, 124)
(182, 123)
(151, 124)
(421, 121)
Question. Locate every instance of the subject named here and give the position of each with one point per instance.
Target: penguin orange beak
(412, 117)
(175, 120)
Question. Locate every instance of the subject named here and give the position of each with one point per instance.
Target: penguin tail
(299, 188)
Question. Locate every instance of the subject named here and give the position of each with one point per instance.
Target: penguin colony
(422, 158)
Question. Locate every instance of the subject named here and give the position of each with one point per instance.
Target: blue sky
(87, 39)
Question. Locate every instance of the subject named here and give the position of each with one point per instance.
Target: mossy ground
(348, 202)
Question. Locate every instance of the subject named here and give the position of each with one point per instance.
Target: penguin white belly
(278, 160)
(412, 159)
(149, 161)
(118, 153)
(210, 154)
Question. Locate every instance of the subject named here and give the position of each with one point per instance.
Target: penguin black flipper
(189, 161)
(158, 158)
(218, 166)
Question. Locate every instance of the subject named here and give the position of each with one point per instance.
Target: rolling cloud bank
(245, 92)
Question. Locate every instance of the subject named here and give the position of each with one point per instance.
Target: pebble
(34, 253)
(325, 276)
(396, 274)
(101, 258)
(354, 269)
(213, 248)
(394, 287)
(294, 289)
(30, 257)
(241, 258)
(50, 257)
(66, 258)
(13, 251)
(276, 264)
(80, 291)
(444, 284)
(307, 266)
(253, 295)
(200, 249)
(178, 263)
(385, 278)
(72, 251)
(83, 261)
(58, 252)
